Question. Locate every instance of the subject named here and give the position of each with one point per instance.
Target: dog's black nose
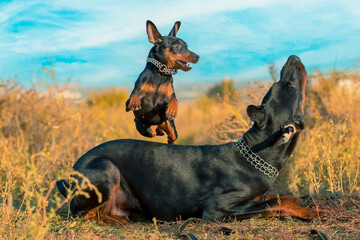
(196, 57)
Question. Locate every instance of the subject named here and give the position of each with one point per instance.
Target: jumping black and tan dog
(210, 181)
(153, 99)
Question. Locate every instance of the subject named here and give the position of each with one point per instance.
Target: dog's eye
(176, 46)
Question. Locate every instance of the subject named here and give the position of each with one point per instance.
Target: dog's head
(170, 50)
(280, 114)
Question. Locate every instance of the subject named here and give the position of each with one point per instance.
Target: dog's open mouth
(185, 66)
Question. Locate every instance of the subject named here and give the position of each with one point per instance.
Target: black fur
(210, 181)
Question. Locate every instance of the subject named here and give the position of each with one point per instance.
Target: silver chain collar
(162, 67)
(259, 163)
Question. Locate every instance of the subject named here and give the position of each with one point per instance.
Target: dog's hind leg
(147, 131)
(225, 206)
(172, 124)
(105, 175)
(288, 208)
(169, 127)
(114, 211)
(293, 199)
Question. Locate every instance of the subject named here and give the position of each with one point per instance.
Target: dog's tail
(64, 187)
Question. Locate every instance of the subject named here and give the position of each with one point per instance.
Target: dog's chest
(155, 94)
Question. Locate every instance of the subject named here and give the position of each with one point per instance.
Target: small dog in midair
(153, 99)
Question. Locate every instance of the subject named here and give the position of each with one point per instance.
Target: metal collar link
(162, 67)
(255, 160)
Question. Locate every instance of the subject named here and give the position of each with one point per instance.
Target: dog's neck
(162, 67)
(255, 160)
(263, 145)
(159, 63)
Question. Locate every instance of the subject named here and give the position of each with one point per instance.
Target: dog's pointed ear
(256, 114)
(153, 34)
(175, 29)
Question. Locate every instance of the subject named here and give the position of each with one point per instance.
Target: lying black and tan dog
(210, 181)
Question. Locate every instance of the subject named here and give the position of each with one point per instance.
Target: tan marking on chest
(166, 89)
(147, 87)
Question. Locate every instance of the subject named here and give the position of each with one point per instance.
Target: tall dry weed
(328, 158)
(42, 133)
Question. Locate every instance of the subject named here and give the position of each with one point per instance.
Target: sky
(104, 43)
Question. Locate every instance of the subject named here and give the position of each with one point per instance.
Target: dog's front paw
(133, 103)
(170, 114)
(172, 109)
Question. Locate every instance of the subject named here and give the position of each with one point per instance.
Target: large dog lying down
(210, 181)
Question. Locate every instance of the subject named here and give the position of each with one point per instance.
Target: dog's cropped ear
(153, 34)
(175, 29)
(289, 131)
(256, 114)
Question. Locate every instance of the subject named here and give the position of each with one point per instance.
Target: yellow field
(42, 134)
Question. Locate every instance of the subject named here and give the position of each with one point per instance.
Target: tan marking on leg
(286, 208)
(172, 108)
(169, 131)
(159, 132)
(292, 199)
(134, 98)
(153, 130)
(113, 211)
(134, 101)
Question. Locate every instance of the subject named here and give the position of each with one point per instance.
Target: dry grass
(42, 134)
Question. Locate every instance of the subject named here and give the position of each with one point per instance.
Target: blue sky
(104, 43)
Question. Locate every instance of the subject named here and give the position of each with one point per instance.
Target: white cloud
(104, 22)
(106, 75)
(110, 21)
(9, 10)
(222, 32)
(336, 55)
